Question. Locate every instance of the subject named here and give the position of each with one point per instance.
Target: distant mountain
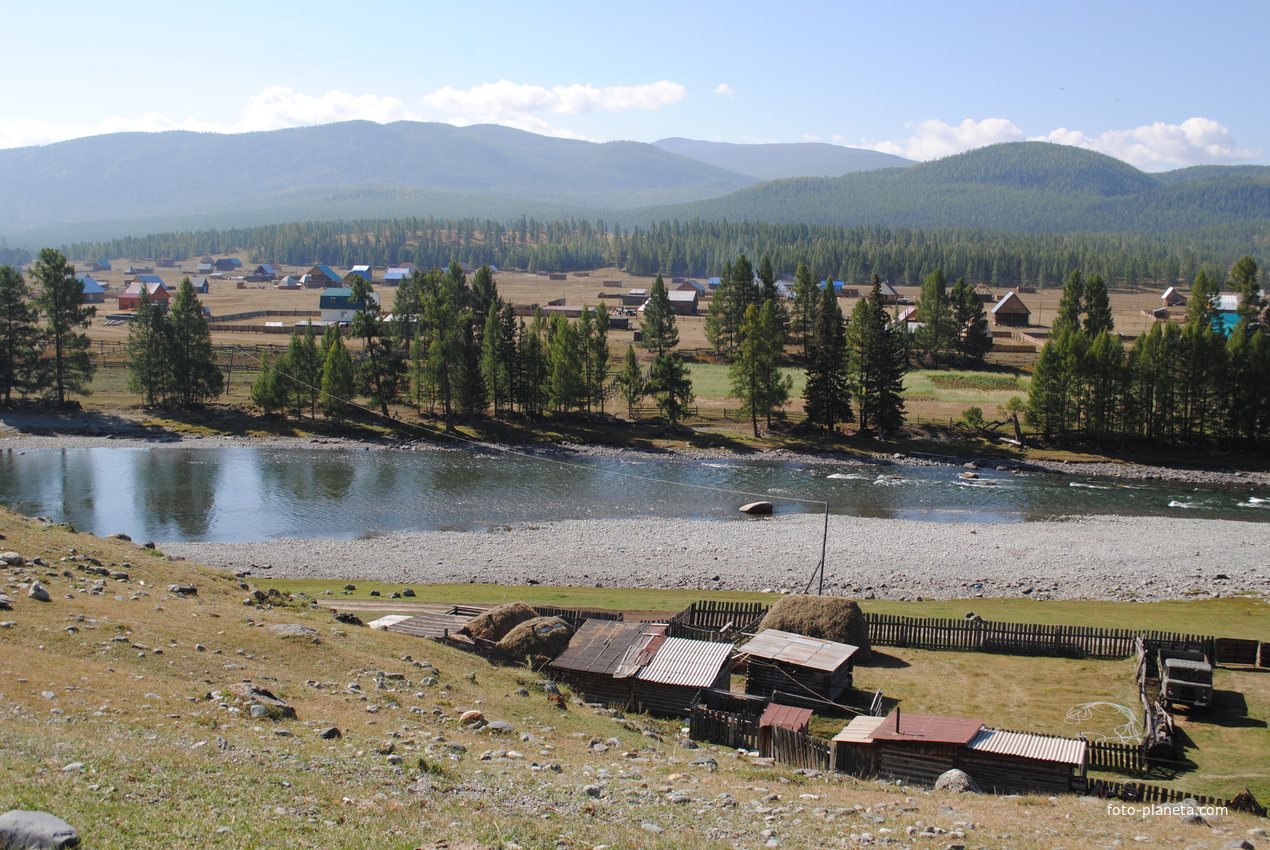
(1019, 186)
(328, 171)
(778, 161)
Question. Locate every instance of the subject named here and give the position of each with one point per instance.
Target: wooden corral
(797, 665)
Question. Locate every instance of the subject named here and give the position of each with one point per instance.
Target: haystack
(542, 638)
(825, 617)
(495, 623)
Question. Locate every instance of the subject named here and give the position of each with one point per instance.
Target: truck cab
(1186, 678)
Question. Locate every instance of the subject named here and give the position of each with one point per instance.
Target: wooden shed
(683, 301)
(678, 671)
(783, 717)
(1024, 762)
(853, 749)
(1173, 298)
(635, 298)
(796, 664)
(919, 747)
(1011, 312)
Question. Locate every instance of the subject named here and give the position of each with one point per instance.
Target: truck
(1186, 678)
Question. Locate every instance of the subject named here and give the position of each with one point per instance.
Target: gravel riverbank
(1080, 558)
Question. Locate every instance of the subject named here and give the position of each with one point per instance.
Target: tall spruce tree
(827, 392)
(934, 312)
(1069, 305)
(338, 380)
(659, 330)
(381, 368)
(195, 375)
(61, 300)
(805, 300)
(149, 349)
(971, 336)
(20, 337)
(879, 365)
(631, 381)
(1199, 307)
(1243, 280)
(1097, 307)
(670, 384)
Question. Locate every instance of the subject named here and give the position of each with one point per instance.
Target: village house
(1173, 298)
(635, 298)
(337, 304)
(321, 276)
(683, 302)
(396, 275)
(130, 298)
(1011, 312)
(363, 272)
(797, 666)
(94, 292)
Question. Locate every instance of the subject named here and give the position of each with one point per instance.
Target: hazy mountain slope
(778, 161)
(127, 176)
(1028, 186)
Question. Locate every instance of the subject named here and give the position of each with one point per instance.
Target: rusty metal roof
(429, 625)
(786, 716)
(799, 649)
(641, 650)
(860, 730)
(599, 646)
(927, 728)
(1029, 746)
(680, 661)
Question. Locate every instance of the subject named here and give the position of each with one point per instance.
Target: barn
(683, 301)
(130, 298)
(797, 666)
(1024, 762)
(1011, 312)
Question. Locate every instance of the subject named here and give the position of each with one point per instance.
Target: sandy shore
(1082, 558)
(1102, 557)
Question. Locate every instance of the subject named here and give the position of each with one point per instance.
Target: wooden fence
(800, 750)
(1040, 639)
(575, 617)
(1116, 757)
(723, 728)
(1138, 792)
(256, 314)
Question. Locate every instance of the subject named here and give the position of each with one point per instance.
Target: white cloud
(724, 90)
(1196, 141)
(811, 137)
(504, 99)
(272, 109)
(1155, 146)
(933, 138)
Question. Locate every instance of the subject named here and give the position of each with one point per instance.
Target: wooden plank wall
(1120, 758)
(1140, 793)
(800, 750)
(723, 728)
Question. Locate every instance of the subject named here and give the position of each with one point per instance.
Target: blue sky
(1161, 85)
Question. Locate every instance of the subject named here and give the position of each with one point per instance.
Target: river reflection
(241, 494)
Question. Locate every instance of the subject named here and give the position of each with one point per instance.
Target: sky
(1160, 85)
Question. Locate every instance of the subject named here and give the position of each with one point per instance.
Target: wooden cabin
(683, 302)
(635, 664)
(635, 298)
(1024, 762)
(1173, 298)
(920, 747)
(130, 298)
(1011, 312)
(797, 666)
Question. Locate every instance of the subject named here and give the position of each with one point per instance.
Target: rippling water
(243, 494)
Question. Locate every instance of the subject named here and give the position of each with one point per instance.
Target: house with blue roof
(322, 276)
(338, 305)
(149, 280)
(94, 292)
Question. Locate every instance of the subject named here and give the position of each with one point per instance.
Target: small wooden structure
(1011, 312)
(919, 747)
(783, 717)
(1173, 298)
(94, 292)
(983, 293)
(635, 298)
(1024, 762)
(683, 301)
(321, 276)
(797, 665)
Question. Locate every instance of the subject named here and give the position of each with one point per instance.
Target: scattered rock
(757, 508)
(293, 630)
(330, 733)
(348, 618)
(275, 708)
(501, 726)
(183, 589)
(957, 781)
(471, 716)
(36, 830)
(37, 592)
(6, 602)
(12, 559)
(593, 790)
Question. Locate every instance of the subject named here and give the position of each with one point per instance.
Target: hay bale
(826, 617)
(539, 638)
(497, 622)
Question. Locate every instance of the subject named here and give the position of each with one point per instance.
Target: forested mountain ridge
(313, 172)
(779, 161)
(1019, 186)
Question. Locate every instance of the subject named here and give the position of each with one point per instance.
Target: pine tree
(494, 368)
(1199, 308)
(1243, 280)
(827, 392)
(20, 338)
(267, 392)
(381, 369)
(61, 299)
(879, 365)
(971, 336)
(755, 374)
(660, 333)
(631, 380)
(338, 381)
(1047, 395)
(598, 358)
(149, 350)
(1069, 305)
(935, 337)
(195, 376)
(564, 369)
(805, 299)
(1097, 307)
(669, 384)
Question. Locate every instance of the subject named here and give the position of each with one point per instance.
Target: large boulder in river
(757, 508)
(826, 617)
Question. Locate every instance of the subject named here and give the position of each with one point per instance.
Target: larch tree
(827, 392)
(755, 373)
(381, 369)
(805, 300)
(61, 300)
(1097, 307)
(935, 336)
(878, 364)
(338, 380)
(670, 385)
(631, 381)
(195, 375)
(148, 352)
(20, 337)
(659, 330)
(971, 336)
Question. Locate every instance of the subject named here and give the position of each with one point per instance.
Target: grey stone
(13, 559)
(1195, 819)
(704, 761)
(332, 732)
(293, 630)
(259, 711)
(73, 767)
(957, 781)
(1239, 844)
(183, 589)
(593, 790)
(501, 726)
(6, 602)
(274, 707)
(37, 592)
(36, 830)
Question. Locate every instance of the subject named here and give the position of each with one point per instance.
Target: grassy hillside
(778, 161)
(119, 719)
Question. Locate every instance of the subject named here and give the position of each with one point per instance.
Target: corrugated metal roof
(682, 295)
(928, 728)
(1029, 746)
(681, 661)
(641, 650)
(785, 716)
(799, 649)
(860, 730)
